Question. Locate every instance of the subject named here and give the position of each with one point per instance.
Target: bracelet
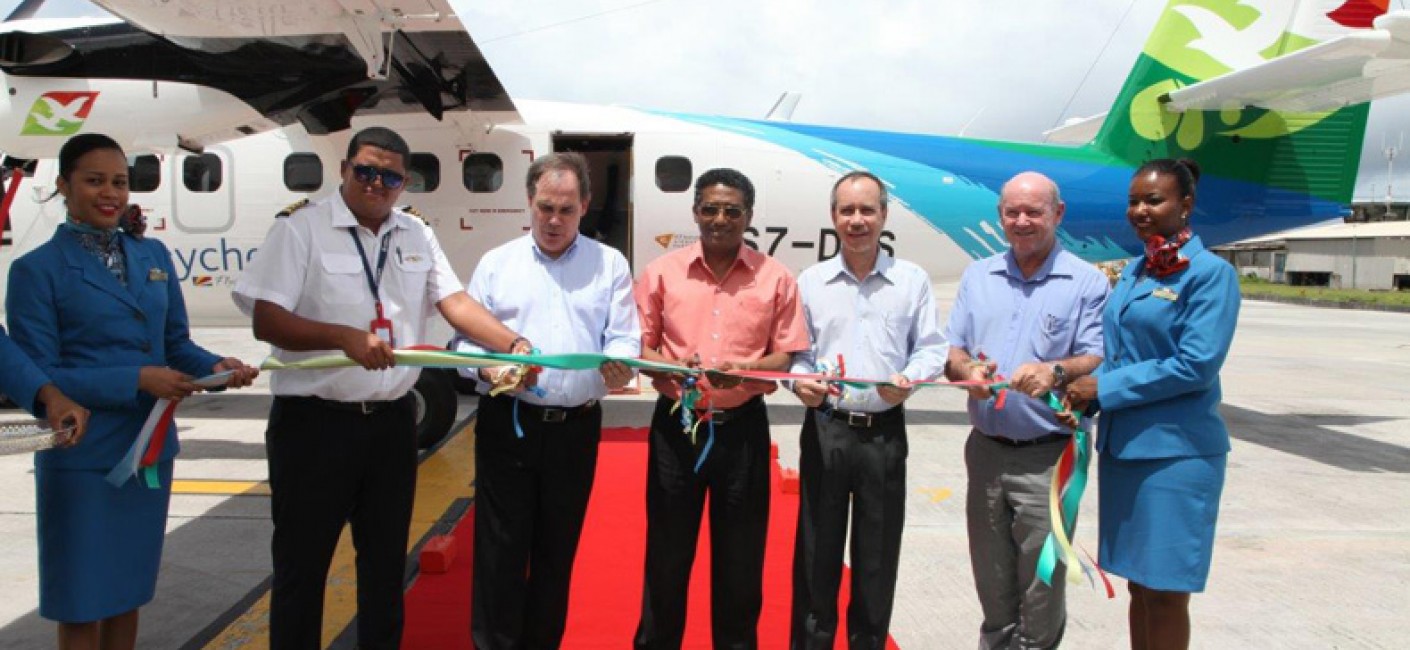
(515, 342)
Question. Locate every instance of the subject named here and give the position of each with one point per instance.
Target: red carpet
(606, 598)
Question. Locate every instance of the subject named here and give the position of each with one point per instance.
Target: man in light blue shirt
(536, 452)
(1033, 315)
(878, 316)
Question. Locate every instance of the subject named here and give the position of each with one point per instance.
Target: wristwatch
(1059, 376)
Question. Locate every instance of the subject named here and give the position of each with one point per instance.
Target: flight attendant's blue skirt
(99, 546)
(1157, 519)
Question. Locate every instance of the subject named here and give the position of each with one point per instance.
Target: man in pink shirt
(722, 305)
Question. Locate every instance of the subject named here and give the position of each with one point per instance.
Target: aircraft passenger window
(144, 173)
(483, 172)
(673, 173)
(424, 173)
(202, 173)
(303, 172)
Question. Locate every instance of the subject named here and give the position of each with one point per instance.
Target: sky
(1006, 70)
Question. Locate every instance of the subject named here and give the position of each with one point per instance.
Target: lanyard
(373, 282)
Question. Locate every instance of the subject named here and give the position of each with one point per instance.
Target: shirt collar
(1054, 264)
(835, 268)
(343, 216)
(567, 252)
(749, 257)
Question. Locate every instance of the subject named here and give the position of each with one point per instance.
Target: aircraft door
(204, 191)
(609, 157)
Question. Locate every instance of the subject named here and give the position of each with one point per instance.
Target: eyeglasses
(714, 210)
(365, 174)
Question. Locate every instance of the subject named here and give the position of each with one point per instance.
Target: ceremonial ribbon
(1065, 492)
(146, 449)
(1064, 498)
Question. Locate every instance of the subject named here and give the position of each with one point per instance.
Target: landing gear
(436, 404)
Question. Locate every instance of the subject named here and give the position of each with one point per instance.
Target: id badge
(382, 328)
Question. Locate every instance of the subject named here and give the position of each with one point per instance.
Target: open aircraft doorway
(609, 156)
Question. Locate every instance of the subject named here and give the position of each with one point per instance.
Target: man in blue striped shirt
(876, 316)
(535, 458)
(1035, 313)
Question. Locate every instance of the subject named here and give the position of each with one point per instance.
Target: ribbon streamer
(146, 449)
(1064, 499)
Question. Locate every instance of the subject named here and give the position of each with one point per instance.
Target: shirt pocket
(344, 282)
(413, 268)
(1053, 339)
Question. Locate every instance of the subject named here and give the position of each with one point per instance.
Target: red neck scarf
(1163, 256)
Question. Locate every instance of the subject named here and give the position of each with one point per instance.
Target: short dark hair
(852, 176)
(571, 161)
(79, 145)
(1185, 171)
(728, 178)
(382, 138)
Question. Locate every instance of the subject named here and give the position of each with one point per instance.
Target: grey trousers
(1006, 512)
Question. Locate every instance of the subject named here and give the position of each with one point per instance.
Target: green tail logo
(1196, 40)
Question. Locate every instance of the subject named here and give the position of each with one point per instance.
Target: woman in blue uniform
(1167, 327)
(100, 311)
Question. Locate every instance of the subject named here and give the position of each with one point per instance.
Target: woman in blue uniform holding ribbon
(1167, 327)
(100, 311)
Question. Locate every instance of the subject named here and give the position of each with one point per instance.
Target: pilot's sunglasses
(714, 210)
(365, 174)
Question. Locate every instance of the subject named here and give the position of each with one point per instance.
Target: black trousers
(736, 476)
(866, 468)
(330, 466)
(531, 496)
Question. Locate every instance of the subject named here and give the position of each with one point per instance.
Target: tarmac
(1312, 549)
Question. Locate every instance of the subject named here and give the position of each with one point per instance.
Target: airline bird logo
(1231, 46)
(59, 113)
(1359, 13)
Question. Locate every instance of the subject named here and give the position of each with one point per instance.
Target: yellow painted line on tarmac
(937, 494)
(227, 488)
(441, 479)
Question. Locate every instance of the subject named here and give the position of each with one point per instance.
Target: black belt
(551, 414)
(725, 416)
(1040, 440)
(367, 407)
(862, 419)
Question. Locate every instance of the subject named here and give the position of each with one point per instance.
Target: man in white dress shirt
(536, 452)
(879, 314)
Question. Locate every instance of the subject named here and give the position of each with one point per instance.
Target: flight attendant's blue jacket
(1166, 339)
(92, 336)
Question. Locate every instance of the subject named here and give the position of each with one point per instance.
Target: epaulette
(413, 212)
(291, 208)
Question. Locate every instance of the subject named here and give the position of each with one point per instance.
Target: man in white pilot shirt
(349, 273)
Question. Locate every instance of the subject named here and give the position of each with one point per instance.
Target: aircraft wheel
(435, 406)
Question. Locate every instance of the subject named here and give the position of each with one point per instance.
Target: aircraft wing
(1357, 67)
(316, 62)
(1078, 130)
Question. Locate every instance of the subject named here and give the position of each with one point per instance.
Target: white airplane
(232, 110)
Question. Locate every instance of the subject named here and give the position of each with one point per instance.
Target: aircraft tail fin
(1313, 154)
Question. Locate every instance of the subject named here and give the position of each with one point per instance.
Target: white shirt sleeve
(442, 282)
(277, 272)
(623, 335)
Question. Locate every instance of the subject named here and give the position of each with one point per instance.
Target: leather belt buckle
(859, 419)
(555, 415)
(367, 408)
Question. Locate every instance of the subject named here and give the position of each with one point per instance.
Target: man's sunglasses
(714, 210)
(365, 174)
